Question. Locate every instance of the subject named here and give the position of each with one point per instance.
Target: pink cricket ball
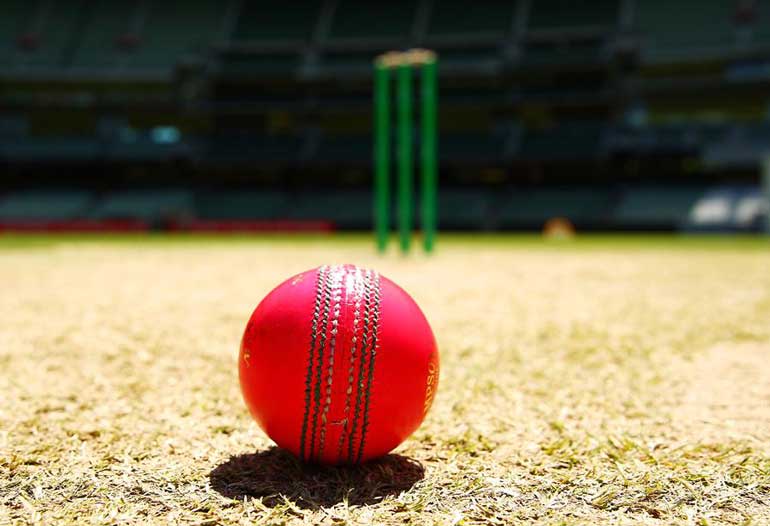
(338, 365)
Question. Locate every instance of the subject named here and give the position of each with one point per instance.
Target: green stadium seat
(345, 149)
(49, 205)
(13, 126)
(471, 146)
(168, 37)
(533, 207)
(274, 20)
(711, 133)
(761, 27)
(345, 208)
(149, 205)
(349, 63)
(379, 19)
(685, 30)
(671, 138)
(243, 66)
(663, 206)
(561, 54)
(486, 60)
(144, 148)
(50, 149)
(460, 209)
(56, 36)
(563, 142)
(553, 15)
(16, 15)
(251, 147)
(462, 17)
(98, 45)
(232, 205)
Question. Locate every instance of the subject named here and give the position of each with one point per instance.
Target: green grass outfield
(452, 240)
(600, 380)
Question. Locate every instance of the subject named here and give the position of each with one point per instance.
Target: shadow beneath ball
(276, 476)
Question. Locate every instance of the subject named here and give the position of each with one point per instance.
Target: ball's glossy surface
(338, 365)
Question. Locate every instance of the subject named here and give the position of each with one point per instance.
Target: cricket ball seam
(338, 278)
(357, 294)
(372, 356)
(363, 350)
(313, 339)
(326, 300)
(361, 363)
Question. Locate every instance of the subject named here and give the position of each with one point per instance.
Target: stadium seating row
(118, 35)
(717, 144)
(641, 207)
(123, 35)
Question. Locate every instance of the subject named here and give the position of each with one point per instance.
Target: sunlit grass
(601, 380)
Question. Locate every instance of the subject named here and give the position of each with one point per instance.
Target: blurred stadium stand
(612, 113)
(730, 208)
(657, 206)
(233, 205)
(151, 206)
(50, 204)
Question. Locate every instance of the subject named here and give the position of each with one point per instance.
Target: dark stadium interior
(159, 114)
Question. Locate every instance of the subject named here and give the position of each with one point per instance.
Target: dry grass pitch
(597, 381)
